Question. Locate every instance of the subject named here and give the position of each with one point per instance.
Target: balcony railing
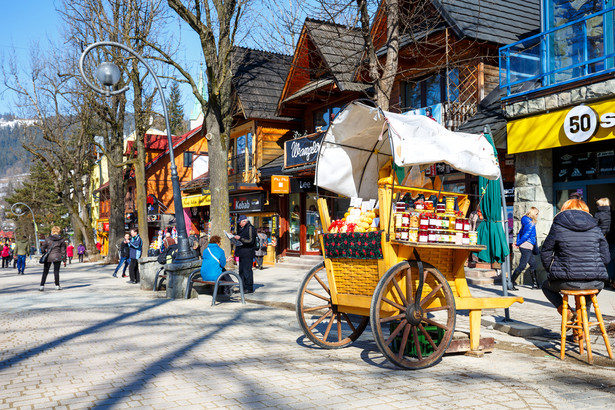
(238, 171)
(577, 50)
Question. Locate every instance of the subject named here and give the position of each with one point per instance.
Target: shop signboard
(246, 203)
(280, 184)
(302, 151)
(302, 185)
(196, 200)
(591, 122)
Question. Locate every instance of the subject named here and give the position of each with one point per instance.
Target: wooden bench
(195, 277)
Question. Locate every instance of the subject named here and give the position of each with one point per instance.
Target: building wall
(158, 177)
(533, 187)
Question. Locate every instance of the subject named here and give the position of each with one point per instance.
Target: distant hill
(14, 159)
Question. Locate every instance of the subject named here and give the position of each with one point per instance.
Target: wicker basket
(355, 276)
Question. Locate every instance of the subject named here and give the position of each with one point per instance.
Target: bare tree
(61, 137)
(216, 23)
(134, 23)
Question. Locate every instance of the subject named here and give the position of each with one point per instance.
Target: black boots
(534, 280)
(513, 279)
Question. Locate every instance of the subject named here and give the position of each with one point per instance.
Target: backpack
(168, 255)
(257, 242)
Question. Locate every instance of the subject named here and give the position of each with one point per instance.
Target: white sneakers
(58, 287)
(42, 288)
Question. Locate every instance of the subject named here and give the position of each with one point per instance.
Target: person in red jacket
(70, 253)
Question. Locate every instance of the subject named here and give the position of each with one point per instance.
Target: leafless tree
(61, 137)
(134, 23)
(216, 22)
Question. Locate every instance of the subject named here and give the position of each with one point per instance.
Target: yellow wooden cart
(410, 295)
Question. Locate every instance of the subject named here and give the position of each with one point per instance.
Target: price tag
(356, 202)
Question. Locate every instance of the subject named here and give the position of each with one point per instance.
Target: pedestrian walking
(135, 246)
(80, 252)
(22, 249)
(193, 241)
(32, 250)
(5, 253)
(246, 234)
(55, 246)
(261, 250)
(124, 256)
(575, 253)
(70, 252)
(528, 245)
(214, 262)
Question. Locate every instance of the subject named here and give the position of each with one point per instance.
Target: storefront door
(294, 228)
(591, 191)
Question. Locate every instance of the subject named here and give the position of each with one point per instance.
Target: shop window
(431, 90)
(188, 158)
(324, 116)
(237, 157)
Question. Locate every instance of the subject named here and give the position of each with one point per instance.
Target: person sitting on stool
(575, 253)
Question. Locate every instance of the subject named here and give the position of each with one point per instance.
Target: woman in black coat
(574, 253)
(55, 246)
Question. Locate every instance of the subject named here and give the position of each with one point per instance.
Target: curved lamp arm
(184, 251)
(38, 249)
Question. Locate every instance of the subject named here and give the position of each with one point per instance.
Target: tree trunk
(117, 189)
(218, 180)
(141, 199)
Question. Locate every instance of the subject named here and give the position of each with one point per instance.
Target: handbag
(44, 257)
(536, 249)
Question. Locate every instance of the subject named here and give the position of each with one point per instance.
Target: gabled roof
(331, 48)
(154, 142)
(496, 21)
(177, 141)
(258, 79)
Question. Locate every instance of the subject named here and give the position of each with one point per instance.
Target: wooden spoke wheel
(413, 335)
(319, 318)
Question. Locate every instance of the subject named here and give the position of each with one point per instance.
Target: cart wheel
(319, 318)
(409, 337)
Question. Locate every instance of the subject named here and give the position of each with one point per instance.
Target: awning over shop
(196, 200)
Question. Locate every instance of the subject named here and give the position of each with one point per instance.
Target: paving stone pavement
(103, 343)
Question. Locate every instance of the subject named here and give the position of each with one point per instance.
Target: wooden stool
(581, 328)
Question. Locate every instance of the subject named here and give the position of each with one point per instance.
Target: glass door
(294, 228)
(312, 224)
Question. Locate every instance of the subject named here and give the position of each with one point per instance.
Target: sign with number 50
(581, 123)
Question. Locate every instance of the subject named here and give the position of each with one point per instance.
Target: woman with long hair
(55, 247)
(526, 241)
(575, 253)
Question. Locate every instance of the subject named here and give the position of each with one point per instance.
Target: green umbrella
(490, 232)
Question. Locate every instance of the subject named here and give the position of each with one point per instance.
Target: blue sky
(26, 21)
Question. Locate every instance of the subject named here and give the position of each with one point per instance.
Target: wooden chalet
(448, 53)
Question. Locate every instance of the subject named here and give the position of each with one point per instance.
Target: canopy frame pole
(505, 267)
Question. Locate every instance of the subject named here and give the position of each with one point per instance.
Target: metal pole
(505, 266)
(184, 253)
(38, 249)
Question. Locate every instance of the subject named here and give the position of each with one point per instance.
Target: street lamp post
(18, 212)
(109, 74)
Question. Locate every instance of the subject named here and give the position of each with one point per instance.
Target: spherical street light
(19, 212)
(108, 74)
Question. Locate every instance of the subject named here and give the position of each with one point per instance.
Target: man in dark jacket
(246, 234)
(55, 247)
(135, 246)
(574, 253)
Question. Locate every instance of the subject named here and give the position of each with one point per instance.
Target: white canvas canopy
(362, 139)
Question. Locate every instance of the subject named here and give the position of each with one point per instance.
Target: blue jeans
(21, 263)
(123, 261)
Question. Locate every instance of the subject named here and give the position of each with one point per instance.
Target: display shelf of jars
(429, 223)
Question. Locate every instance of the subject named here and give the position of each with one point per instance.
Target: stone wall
(563, 99)
(533, 187)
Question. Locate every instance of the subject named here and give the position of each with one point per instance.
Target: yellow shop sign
(196, 200)
(581, 124)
